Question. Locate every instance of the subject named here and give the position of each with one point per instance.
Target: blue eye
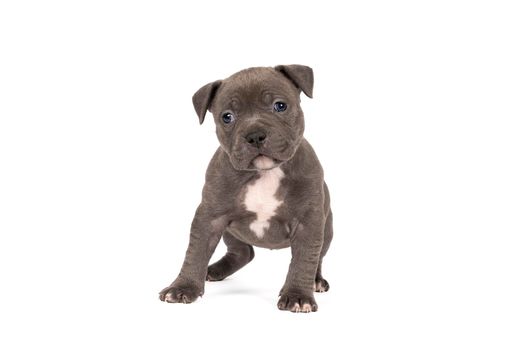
(280, 106)
(227, 118)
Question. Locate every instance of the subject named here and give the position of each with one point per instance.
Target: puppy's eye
(280, 106)
(227, 118)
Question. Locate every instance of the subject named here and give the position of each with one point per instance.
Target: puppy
(264, 186)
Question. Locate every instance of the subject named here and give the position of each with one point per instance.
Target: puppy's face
(258, 117)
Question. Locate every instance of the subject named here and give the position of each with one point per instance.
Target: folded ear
(301, 76)
(203, 98)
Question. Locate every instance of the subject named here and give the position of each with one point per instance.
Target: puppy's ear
(301, 76)
(203, 98)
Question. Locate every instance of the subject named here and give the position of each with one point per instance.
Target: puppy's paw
(321, 285)
(215, 273)
(297, 302)
(180, 293)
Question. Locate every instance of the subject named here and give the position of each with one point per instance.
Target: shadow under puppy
(264, 186)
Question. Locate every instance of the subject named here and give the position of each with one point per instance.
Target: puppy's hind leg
(238, 255)
(321, 285)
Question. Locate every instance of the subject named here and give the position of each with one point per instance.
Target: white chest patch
(260, 199)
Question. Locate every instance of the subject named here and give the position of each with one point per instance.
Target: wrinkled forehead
(256, 85)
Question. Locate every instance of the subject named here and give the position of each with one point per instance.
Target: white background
(418, 119)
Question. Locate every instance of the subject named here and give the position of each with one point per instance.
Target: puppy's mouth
(263, 162)
(262, 158)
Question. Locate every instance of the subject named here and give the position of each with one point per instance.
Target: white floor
(379, 298)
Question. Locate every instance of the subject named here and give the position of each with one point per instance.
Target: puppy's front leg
(206, 231)
(297, 294)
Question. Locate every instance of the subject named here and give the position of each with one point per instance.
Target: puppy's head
(257, 114)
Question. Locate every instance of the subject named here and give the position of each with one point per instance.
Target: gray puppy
(264, 186)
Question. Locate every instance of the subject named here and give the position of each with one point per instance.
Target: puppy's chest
(261, 199)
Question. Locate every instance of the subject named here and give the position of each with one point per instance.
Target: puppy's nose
(256, 138)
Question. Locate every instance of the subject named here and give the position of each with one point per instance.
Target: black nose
(256, 138)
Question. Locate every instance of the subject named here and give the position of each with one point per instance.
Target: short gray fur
(303, 220)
